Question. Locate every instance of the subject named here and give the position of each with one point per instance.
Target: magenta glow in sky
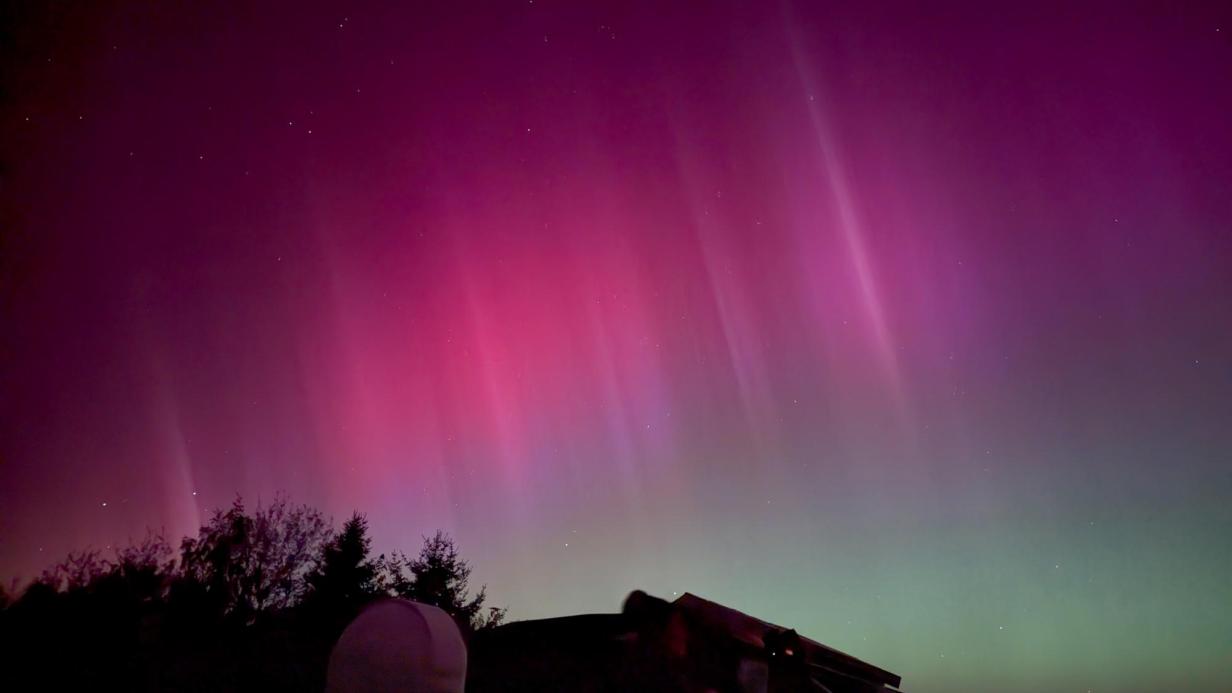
(907, 328)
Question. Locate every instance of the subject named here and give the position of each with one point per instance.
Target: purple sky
(909, 328)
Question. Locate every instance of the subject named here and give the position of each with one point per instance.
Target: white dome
(398, 645)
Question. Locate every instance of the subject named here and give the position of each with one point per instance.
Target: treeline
(253, 602)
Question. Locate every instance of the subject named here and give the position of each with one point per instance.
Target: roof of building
(752, 631)
(603, 646)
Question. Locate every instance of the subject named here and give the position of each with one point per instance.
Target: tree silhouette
(254, 602)
(76, 571)
(244, 565)
(344, 578)
(144, 568)
(440, 577)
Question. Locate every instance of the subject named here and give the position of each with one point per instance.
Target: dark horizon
(908, 327)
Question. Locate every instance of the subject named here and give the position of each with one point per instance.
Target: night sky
(908, 328)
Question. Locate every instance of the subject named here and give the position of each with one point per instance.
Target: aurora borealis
(909, 328)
